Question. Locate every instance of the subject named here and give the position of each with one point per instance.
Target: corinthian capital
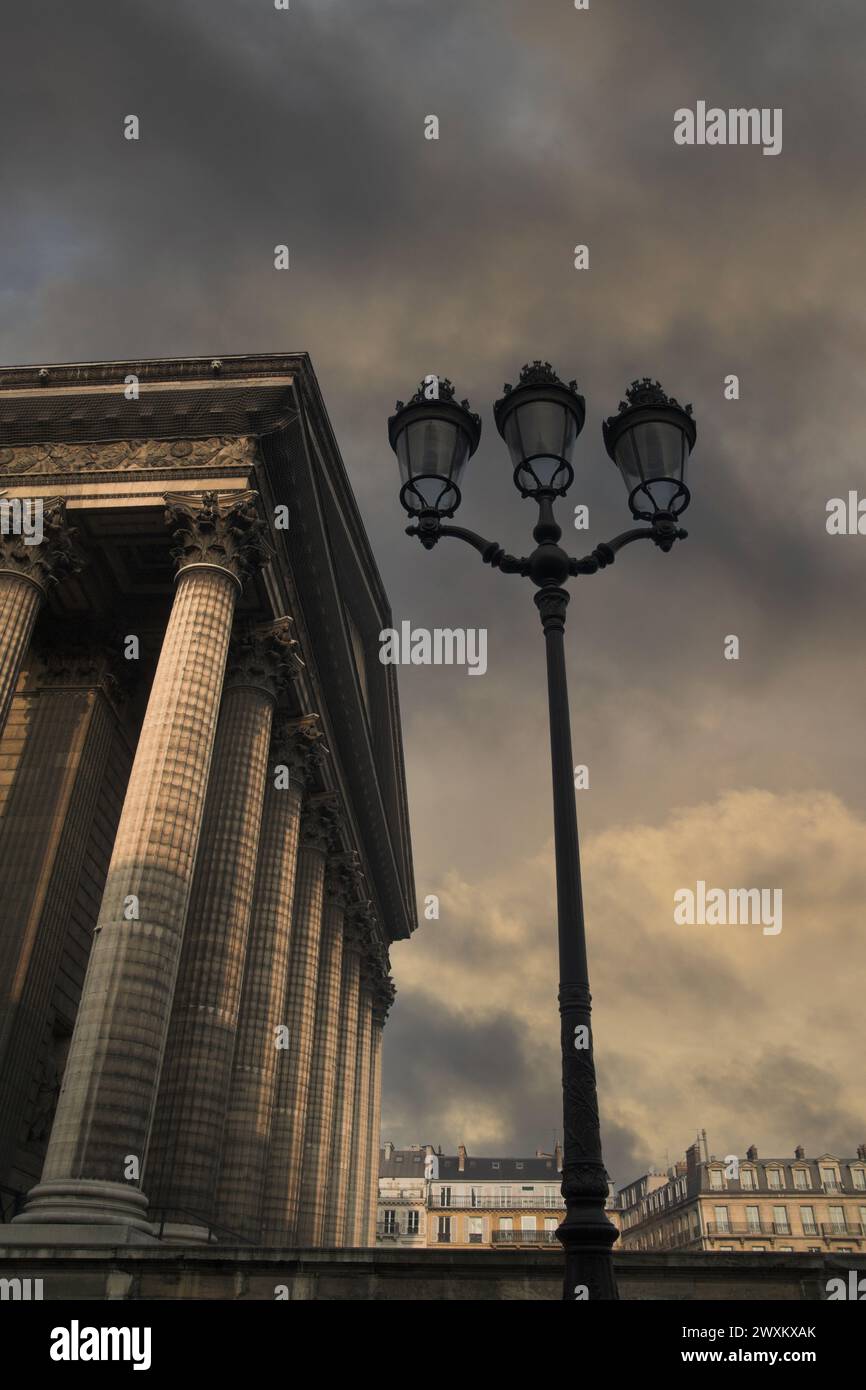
(54, 557)
(298, 744)
(222, 529)
(344, 878)
(319, 822)
(384, 993)
(265, 656)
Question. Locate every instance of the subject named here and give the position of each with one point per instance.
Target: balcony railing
(832, 1229)
(497, 1202)
(386, 1231)
(525, 1238)
(749, 1228)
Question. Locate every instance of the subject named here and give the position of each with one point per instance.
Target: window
(780, 1221)
(829, 1180)
(807, 1216)
(518, 1165)
(494, 1165)
(474, 1197)
(801, 1178)
(837, 1219)
(443, 1230)
(445, 1196)
(417, 1158)
(726, 1247)
(789, 1249)
(390, 1223)
(858, 1177)
(774, 1177)
(747, 1178)
(550, 1196)
(398, 1158)
(412, 1223)
(527, 1223)
(506, 1223)
(753, 1218)
(759, 1247)
(721, 1218)
(505, 1195)
(863, 1220)
(550, 1223)
(716, 1179)
(476, 1230)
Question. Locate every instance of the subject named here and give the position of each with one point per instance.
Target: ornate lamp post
(650, 440)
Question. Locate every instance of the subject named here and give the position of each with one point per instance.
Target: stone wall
(176, 1272)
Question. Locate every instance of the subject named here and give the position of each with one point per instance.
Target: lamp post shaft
(586, 1233)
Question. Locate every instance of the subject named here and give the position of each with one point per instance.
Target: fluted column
(26, 574)
(335, 1234)
(359, 1168)
(283, 1174)
(294, 754)
(315, 1166)
(184, 1154)
(71, 735)
(103, 1118)
(382, 999)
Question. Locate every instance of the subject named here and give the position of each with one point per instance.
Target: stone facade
(199, 791)
(793, 1205)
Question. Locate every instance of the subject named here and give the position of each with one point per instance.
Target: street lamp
(650, 440)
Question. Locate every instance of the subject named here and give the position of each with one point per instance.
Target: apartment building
(795, 1204)
(427, 1198)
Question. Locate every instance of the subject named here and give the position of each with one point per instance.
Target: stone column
(335, 1233)
(383, 996)
(283, 1173)
(295, 752)
(359, 1168)
(102, 1125)
(184, 1154)
(315, 1167)
(71, 731)
(26, 574)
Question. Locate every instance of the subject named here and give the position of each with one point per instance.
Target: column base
(86, 1202)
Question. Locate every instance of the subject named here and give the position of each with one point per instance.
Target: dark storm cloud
(455, 256)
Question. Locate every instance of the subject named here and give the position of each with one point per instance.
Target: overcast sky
(455, 256)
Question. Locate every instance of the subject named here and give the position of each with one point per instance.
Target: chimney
(557, 1154)
(799, 1152)
(752, 1154)
(389, 1151)
(861, 1151)
(461, 1158)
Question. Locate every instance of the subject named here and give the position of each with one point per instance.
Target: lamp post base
(587, 1236)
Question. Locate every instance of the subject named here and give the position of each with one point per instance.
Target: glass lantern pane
(660, 447)
(428, 446)
(541, 433)
(628, 461)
